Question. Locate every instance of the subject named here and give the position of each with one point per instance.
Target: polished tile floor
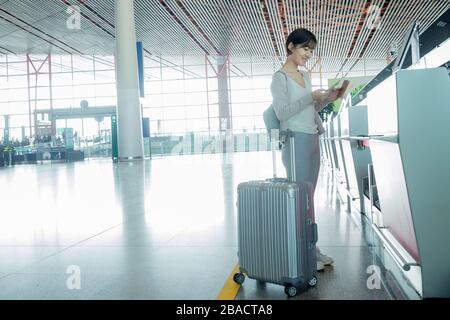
(159, 229)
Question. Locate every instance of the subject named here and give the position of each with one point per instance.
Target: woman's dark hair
(302, 37)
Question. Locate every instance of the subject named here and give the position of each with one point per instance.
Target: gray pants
(307, 157)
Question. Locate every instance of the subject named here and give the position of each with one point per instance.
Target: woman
(297, 107)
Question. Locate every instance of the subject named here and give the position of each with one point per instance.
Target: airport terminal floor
(126, 127)
(158, 229)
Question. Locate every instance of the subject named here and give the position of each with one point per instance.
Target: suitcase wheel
(291, 291)
(239, 278)
(312, 282)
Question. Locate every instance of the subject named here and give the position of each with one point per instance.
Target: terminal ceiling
(348, 32)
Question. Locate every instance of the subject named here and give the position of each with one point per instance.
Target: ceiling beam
(7, 50)
(283, 18)
(361, 24)
(177, 20)
(36, 35)
(81, 2)
(270, 28)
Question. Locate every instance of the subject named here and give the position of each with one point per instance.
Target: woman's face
(301, 54)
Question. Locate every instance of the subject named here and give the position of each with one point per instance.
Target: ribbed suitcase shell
(277, 231)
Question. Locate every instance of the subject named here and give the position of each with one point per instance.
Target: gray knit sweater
(294, 105)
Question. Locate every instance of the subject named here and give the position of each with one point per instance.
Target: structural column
(224, 98)
(6, 130)
(129, 117)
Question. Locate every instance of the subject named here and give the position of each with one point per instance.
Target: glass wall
(182, 96)
(25, 88)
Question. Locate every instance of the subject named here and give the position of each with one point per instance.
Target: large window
(182, 93)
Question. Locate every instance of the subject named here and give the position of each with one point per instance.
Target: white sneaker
(320, 266)
(326, 260)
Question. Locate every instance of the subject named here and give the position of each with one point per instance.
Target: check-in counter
(409, 143)
(323, 148)
(331, 146)
(354, 127)
(341, 172)
(326, 154)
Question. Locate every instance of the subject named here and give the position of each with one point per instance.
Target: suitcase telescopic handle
(291, 138)
(275, 139)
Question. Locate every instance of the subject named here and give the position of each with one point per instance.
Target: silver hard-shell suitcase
(277, 233)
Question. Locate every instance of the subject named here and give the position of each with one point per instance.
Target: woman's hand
(324, 97)
(333, 94)
(320, 96)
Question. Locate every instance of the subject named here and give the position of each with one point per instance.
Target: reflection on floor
(161, 229)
